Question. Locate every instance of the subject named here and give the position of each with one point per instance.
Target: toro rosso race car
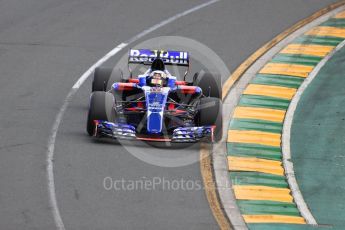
(155, 105)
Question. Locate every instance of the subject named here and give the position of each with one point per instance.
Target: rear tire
(101, 108)
(104, 78)
(210, 113)
(209, 83)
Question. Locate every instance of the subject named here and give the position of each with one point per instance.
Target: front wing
(128, 132)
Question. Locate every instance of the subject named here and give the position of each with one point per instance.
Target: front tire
(104, 78)
(101, 108)
(209, 83)
(210, 114)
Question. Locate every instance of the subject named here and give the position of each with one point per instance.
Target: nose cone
(155, 104)
(154, 122)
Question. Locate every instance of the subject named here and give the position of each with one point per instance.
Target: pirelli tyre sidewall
(210, 113)
(101, 108)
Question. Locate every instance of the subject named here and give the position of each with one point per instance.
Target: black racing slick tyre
(210, 113)
(209, 83)
(101, 108)
(104, 77)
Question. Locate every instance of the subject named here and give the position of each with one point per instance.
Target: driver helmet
(158, 77)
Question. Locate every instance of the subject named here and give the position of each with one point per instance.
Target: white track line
(52, 137)
(288, 165)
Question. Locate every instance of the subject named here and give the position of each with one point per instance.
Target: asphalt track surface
(45, 46)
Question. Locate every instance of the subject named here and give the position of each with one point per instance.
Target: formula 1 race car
(155, 106)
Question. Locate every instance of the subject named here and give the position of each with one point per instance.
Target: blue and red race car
(155, 105)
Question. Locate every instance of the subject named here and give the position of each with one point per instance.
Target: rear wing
(169, 57)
